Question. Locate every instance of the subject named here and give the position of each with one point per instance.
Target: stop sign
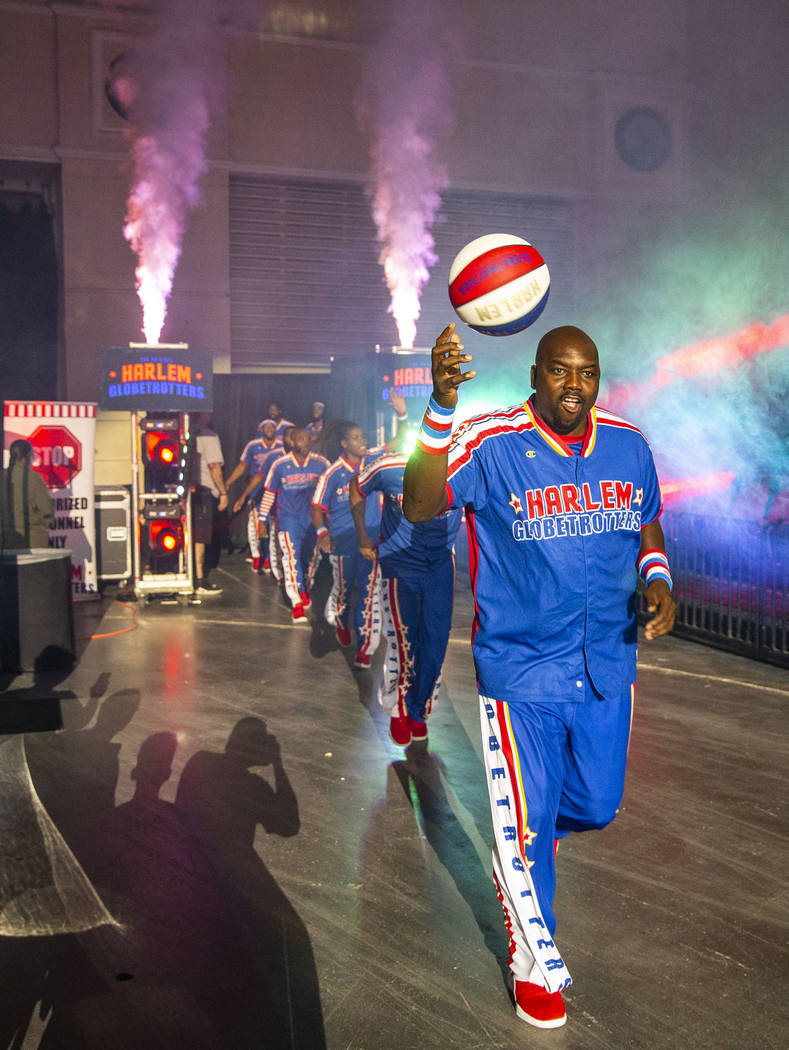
(58, 455)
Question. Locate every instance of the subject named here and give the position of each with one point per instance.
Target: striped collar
(556, 442)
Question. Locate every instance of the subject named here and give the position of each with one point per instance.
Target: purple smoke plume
(170, 87)
(404, 107)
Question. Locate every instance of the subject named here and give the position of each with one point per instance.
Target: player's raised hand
(447, 361)
(397, 401)
(660, 602)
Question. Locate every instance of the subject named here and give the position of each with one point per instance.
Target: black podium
(36, 618)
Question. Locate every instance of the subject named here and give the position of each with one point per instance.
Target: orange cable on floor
(113, 634)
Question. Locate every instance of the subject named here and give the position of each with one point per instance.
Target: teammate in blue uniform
(562, 504)
(290, 482)
(331, 516)
(268, 562)
(418, 581)
(256, 457)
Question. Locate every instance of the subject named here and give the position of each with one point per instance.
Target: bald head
(558, 339)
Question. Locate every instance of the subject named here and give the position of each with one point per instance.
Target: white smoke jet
(170, 88)
(404, 106)
(167, 167)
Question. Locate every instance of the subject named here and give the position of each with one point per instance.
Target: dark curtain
(28, 300)
(241, 401)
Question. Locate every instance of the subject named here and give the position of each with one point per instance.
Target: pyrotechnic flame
(404, 106)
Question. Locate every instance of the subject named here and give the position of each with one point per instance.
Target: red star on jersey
(515, 503)
(528, 836)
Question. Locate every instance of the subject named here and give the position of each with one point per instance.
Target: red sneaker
(266, 566)
(539, 1007)
(299, 616)
(344, 636)
(362, 659)
(306, 601)
(418, 729)
(255, 564)
(400, 730)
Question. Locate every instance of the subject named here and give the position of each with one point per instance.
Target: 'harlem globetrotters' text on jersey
(554, 537)
(291, 484)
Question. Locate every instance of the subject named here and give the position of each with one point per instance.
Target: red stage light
(166, 535)
(160, 448)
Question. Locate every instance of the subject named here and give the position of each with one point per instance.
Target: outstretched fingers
(447, 363)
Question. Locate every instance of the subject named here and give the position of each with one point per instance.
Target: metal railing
(731, 583)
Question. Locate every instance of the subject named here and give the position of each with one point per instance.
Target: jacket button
(579, 684)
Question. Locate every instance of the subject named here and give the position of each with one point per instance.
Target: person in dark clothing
(25, 503)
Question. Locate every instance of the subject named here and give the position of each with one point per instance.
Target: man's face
(354, 443)
(287, 438)
(269, 430)
(566, 379)
(300, 440)
(317, 411)
(275, 411)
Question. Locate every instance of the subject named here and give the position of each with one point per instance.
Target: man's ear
(532, 374)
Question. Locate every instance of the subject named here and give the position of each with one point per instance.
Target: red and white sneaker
(306, 601)
(362, 659)
(343, 636)
(418, 729)
(400, 730)
(299, 616)
(537, 1006)
(254, 564)
(266, 566)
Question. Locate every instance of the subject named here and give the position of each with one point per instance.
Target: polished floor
(210, 842)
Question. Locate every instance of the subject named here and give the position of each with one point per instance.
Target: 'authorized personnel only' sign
(63, 436)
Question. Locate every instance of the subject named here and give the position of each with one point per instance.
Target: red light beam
(708, 356)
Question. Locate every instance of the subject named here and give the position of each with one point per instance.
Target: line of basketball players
(305, 507)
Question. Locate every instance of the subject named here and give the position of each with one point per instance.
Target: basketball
(499, 284)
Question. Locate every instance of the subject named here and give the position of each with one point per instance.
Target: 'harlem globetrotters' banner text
(156, 378)
(63, 438)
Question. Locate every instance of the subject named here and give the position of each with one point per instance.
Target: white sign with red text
(63, 435)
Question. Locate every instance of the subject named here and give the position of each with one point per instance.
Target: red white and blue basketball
(499, 284)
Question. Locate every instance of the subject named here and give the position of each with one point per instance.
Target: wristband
(403, 418)
(435, 433)
(321, 530)
(653, 565)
